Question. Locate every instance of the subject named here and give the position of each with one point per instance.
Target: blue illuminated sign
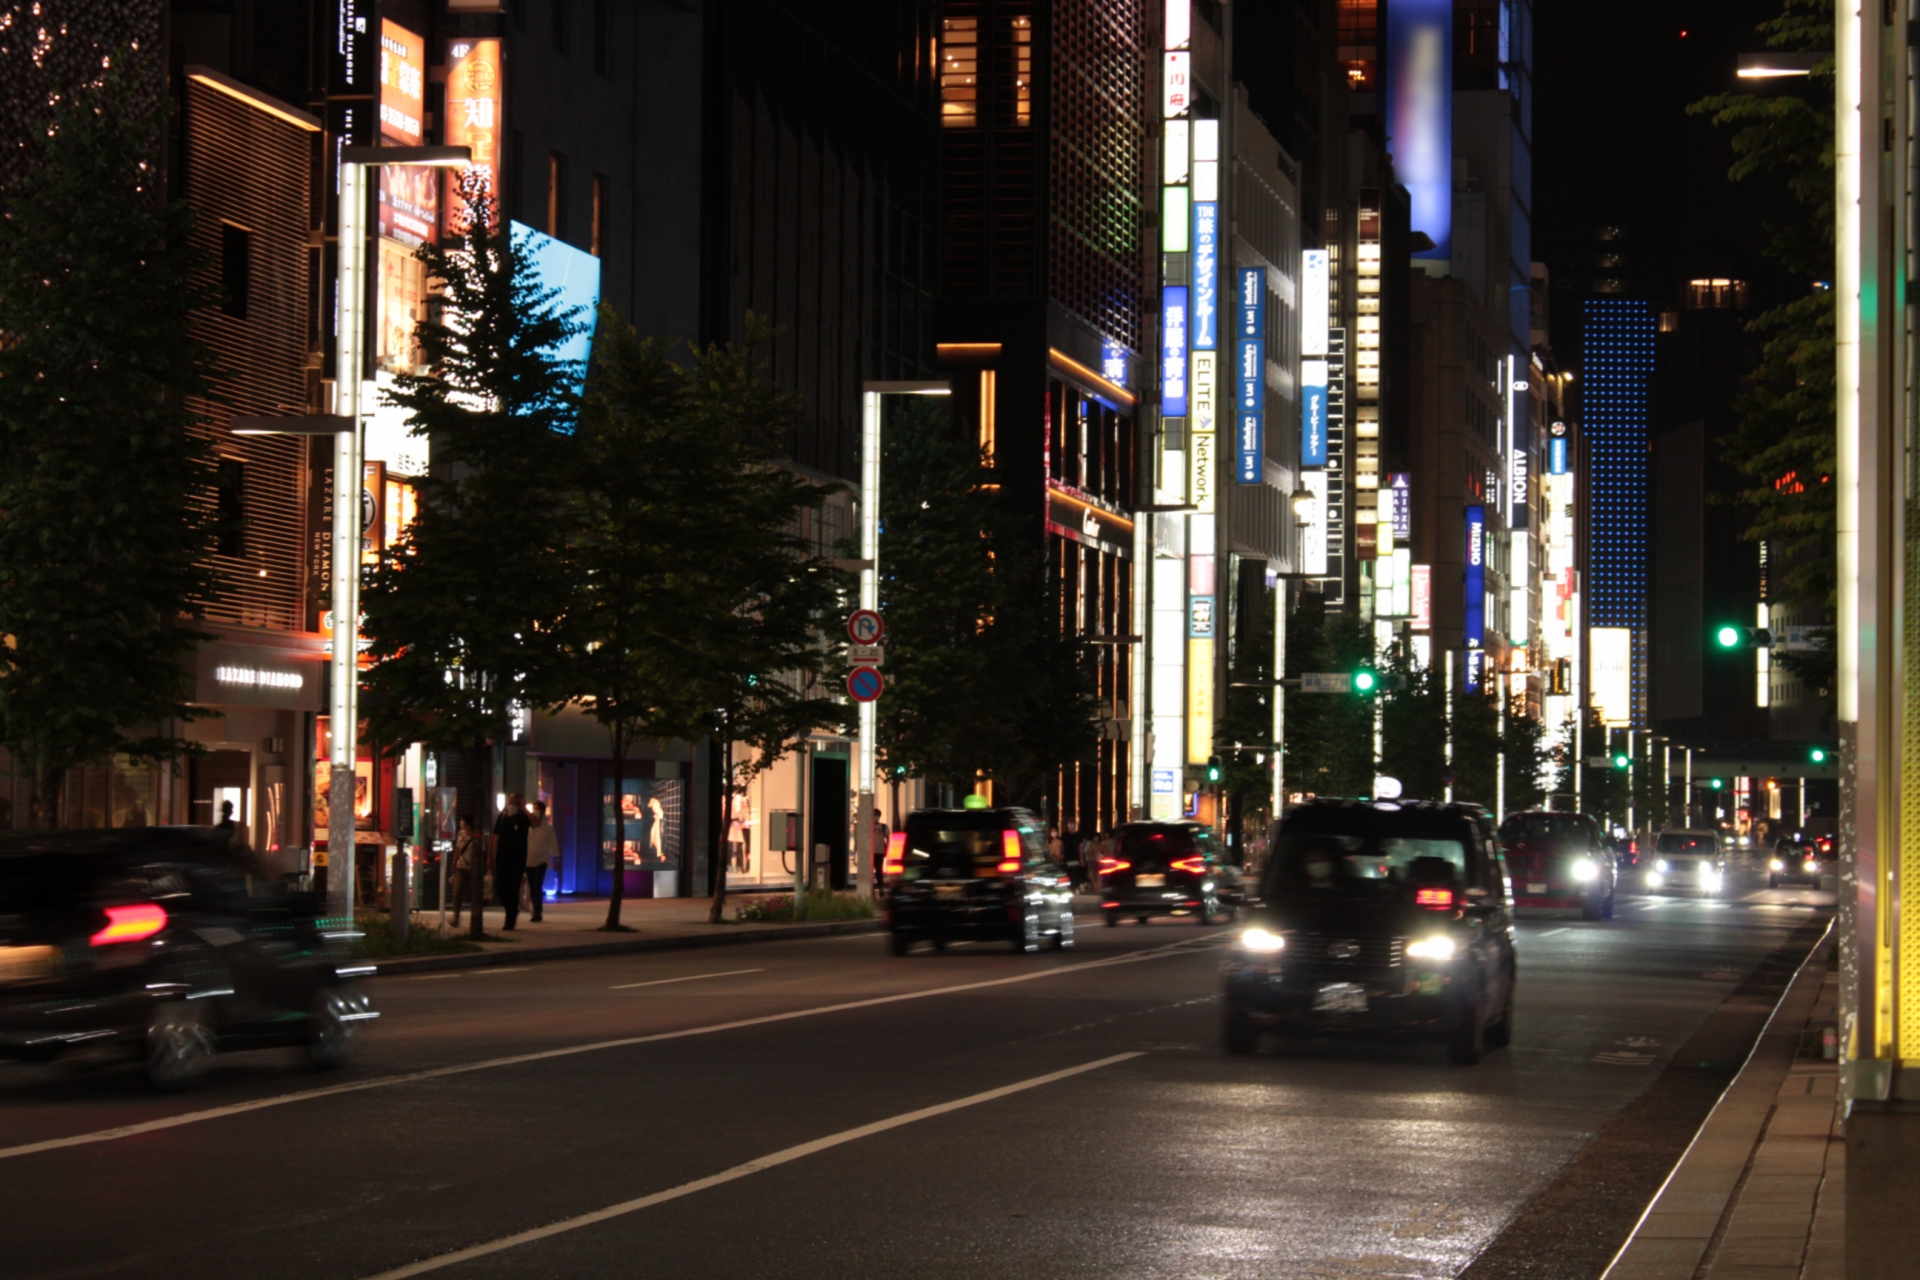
(1114, 364)
(1250, 363)
(1250, 367)
(1313, 413)
(1557, 456)
(1250, 440)
(1419, 110)
(573, 276)
(1253, 303)
(1173, 351)
(1206, 275)
(1476, 601)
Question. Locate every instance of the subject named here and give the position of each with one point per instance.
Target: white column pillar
(869, 599)
(344, 708)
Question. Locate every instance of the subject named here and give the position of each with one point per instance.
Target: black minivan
(976, 875)
(1162, 869)
(1381, 917)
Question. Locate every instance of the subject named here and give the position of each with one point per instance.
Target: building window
(559, 24)
(1023, 71)
(600, 21)
(960, 73)
(230, 507)
(557, 196)
(1717, 294)
(236, 269)
(597, 233)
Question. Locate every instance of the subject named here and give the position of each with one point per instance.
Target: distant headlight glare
(1776, 865)
(1655, 879)
(1662, 866)
(1585, 870)
(1811, 865)
(1438, 947)
(1258, 939)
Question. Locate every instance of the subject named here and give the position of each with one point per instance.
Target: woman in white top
(543, 849)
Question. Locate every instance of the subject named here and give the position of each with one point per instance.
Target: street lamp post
(871, 397)
(344, 425)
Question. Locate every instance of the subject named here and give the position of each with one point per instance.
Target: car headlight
(1777, 865)
(1662, 865)
(1745, 842)
(1585, 869)
(1258, 939)
(1812, 865)
(1438, 947)
(1654, 878)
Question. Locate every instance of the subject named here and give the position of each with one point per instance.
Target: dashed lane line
(692, 977)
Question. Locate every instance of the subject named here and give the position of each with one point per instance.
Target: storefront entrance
(827, 813)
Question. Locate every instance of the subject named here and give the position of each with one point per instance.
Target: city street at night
(822, 1107)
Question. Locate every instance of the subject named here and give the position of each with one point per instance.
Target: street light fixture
(344, 426)
(1775, 65)
(1306, 506)
(870, 400)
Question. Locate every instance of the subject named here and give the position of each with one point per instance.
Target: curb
(394, 965)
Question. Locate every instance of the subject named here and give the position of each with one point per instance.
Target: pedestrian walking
(1053, 844)
(466, 842)
(510, 856)
(1071, 845)
(543, 850)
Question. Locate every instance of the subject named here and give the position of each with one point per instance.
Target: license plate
(1340, 997)
(1536, 888)
(25, 964)
(949, 890)
(1149, 882)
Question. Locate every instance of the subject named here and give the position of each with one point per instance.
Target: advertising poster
(1476, 587)
(1206, 275)
(655, 811)
(1313, 413)
(473, 119)
(1173, 351)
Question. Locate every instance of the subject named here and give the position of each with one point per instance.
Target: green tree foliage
(1243, 734)
(1413, 729)
(1784, 444)
(103, 519)
(699, 606)
(1476, 746)
(980, 678)
(1329, 737)
(1528, 758)
(464, 616)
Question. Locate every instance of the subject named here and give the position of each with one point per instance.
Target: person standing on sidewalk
(510, 856)
(543, 850)
(465, 844)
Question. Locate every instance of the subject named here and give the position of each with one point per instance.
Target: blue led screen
(574, 276)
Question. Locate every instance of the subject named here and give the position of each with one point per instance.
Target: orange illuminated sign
(473, 120)
(403, 83)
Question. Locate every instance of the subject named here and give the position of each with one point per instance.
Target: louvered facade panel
(1099, 104)
(247, 176)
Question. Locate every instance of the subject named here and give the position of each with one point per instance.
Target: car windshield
(1685, 842)
(1545, 828)
(962, 841)
(1361, 866)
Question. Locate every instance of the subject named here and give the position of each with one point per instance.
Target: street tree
(1413, 728)
(464, 617)
(104, 522)
(981, 681)
(698, 607)
(1329, 737)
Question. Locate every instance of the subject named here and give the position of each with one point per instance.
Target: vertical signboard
(1475, 612)
(1518, 496)
(1177, 85)
(1313, 413)
(473, 119)
(1422, 583)
(1399, 496)
(1313, 538)
(1203, 459)
(1612, 674)
(1206, 275)
(403, 83)
(1251, 332)
(1419, 111)
(1315, 284)
(1173, 351)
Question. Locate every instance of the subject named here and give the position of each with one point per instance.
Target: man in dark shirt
(510, 855)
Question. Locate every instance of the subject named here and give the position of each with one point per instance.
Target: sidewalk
(1761, 1192)
(573, 928)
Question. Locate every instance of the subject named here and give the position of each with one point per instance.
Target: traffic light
(1816, 755)
(1716, 783)
(1213, 769)
(1621, 759)
(1366, 682)
(1730, 637)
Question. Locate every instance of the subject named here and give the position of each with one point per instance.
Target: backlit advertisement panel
(1199, 701)
(1173, 351)
(473, 119)
(1313, 413)
(1313, 538)
(1399, 500)
(1315, 284)
(574, 277)
(1422, 579)
(1419, 110)
(1206, 275)
(403, 83)
(1612, 673)
(1177, 85)
(1476, 585)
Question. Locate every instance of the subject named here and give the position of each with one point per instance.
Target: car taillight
(1009, 852)
(896, 862)
(1193, 866)
(1434, 899)
(1110, 865)
(131, 924)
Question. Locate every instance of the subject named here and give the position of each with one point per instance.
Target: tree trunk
(44, 804)
(480, 763)
(619, 893)
(716, 911)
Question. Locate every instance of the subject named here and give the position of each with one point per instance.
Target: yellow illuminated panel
(1199, 701)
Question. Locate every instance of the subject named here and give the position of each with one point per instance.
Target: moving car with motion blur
(1801, 863)
(1163, 869)
(1560, 860)
(150, 944)
(1687, 862)
(1377, 918)
(976, 875)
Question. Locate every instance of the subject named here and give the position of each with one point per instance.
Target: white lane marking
(435, 977)
(692, 977)
(1549, 933)
(760, 1165)
(435, 1073)
(478, 973)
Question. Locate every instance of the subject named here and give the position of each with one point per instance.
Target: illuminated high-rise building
(1617, 365)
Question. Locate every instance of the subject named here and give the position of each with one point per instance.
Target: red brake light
(1010, 856)
(1193, 866)
(896, 862)
(1110, 865)
(1434, 899)
(131, 924)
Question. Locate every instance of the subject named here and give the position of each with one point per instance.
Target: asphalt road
(823, 1108)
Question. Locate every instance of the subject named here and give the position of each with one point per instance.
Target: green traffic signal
(1729, 637)
(1716, 783)
(1366, 682)
(1213, 769)
(1817, 755)
(1621, 760)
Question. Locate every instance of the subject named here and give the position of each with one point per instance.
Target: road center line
(434, 1073)
(1549, 933)
(760, 1165)
(692, 977)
